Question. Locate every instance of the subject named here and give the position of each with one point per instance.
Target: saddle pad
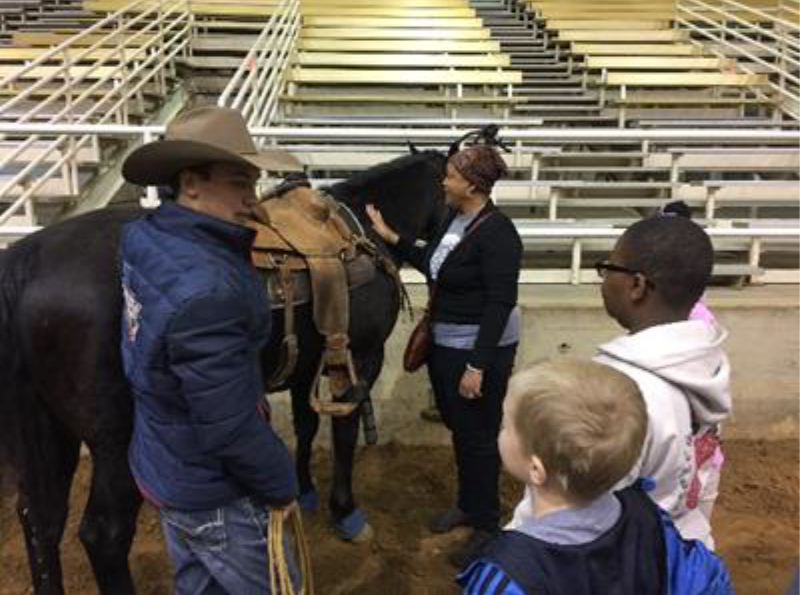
(360, 271)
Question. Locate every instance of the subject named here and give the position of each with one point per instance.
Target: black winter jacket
(477, 283)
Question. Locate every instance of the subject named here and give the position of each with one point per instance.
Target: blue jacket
(196, 316)
(642, 554)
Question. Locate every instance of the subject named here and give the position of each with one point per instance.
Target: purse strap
(470, 229)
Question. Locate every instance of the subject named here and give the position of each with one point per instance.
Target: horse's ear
(412, 147)
(456, 145)
(489, 134)
(454, 148)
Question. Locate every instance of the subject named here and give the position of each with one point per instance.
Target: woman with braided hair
(472, 267)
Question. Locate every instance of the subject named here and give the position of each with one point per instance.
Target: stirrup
(334, 408)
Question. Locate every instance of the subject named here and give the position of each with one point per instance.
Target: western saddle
(311, 248)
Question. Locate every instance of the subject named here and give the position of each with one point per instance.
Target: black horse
(61, 380)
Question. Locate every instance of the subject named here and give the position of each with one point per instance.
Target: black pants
(474, 425)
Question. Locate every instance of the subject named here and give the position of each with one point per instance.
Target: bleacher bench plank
(657, 63)
(729, 159)
(416, 98)
(623, 35)
(608, 25)
(75, 72)
(379, 10)
(40, 38)
(395, 3)
(394, 45)
(404, 77)
(683, 79)
(688, 99)
(599, 12)
(655, 13)
(212, 23)
(211, 7)
(373, 33)
(591, 5)
(392, 23)
(641, 49)
(406, 59)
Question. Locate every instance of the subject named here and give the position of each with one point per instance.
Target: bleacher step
(546, 91)
(531, 99)
(535, 109)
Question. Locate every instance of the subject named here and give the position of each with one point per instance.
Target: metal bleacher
(607, 116)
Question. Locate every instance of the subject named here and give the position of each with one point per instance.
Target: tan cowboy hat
(202, 135)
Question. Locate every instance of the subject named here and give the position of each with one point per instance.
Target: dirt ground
(755, 524)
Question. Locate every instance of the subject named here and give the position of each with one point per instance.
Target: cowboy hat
(202, 135)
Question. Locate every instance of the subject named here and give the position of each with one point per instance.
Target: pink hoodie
(701, 312)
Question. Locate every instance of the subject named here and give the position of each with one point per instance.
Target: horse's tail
(16, 265)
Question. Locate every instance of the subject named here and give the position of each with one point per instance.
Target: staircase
(552, 90)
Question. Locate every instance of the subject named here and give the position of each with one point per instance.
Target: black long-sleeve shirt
(477, 283)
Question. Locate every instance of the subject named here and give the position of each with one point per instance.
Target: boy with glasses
(655, 275)
(657, 271)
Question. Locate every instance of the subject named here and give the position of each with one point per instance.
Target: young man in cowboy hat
(196, 316)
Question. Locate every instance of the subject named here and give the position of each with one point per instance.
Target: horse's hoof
(354, 528)
(308, 501)
(365, 536)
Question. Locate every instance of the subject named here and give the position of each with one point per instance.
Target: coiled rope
(279, 577)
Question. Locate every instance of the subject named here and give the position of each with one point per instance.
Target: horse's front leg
(306, 424)
(350, 522)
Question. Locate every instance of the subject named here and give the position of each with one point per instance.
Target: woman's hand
(379, 225)
(470, 385)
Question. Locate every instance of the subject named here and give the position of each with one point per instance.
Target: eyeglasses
(604, 267)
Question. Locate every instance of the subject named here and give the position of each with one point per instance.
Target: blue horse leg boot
(308, 501)
(354, 527)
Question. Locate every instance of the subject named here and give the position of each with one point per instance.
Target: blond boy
(571, 430)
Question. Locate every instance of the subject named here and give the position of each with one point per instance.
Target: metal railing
(257, 84)
(763, 35)
(753, 240)
(100, 71)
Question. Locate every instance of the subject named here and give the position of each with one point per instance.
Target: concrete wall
(763, 346)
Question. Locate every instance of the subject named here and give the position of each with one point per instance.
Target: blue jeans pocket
(201, 528)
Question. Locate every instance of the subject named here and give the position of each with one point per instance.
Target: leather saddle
(311, 249)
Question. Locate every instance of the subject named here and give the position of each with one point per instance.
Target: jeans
(221, 551)
(474, 425)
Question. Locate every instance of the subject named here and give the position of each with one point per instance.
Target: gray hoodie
(684, 376)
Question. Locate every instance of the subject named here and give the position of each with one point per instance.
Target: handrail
(124, 70)
(520, 141)
(737, 33)
(575, 231)
(121, 66)
(516, 138)
(256, 96)
(711, 135)
(784, 46)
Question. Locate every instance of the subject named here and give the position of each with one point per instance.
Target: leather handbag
(420, 342)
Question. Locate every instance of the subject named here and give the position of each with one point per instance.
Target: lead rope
(280, 578)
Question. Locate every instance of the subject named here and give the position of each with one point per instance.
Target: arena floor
(755, 524)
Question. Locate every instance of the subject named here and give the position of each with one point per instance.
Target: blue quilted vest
(642, 554)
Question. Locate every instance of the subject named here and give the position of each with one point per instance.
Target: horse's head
(407, 190)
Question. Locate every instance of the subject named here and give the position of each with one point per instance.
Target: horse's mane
(357, 189)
